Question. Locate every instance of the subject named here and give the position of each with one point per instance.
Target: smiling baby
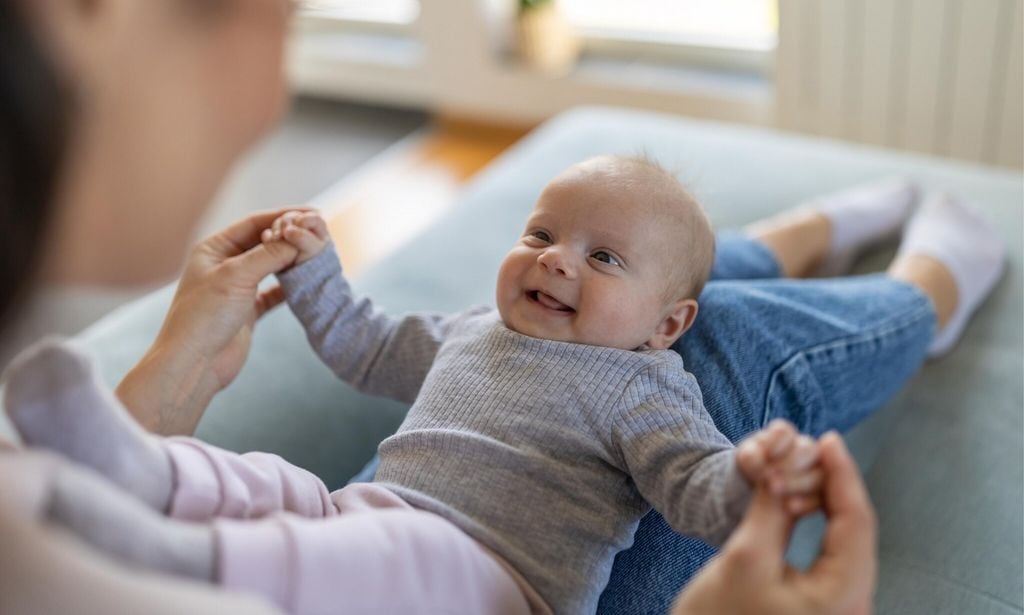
(545, 429)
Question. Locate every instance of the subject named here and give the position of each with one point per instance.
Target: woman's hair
(35, 120)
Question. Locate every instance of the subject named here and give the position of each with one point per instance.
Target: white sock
(963, 241)
(57, 401)
(862, 216)
(119, 525)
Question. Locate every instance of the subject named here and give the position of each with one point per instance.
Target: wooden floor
(402, 191)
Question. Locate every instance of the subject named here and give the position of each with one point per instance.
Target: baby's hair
(698, 248)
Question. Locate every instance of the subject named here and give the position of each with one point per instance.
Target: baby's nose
(554, 261)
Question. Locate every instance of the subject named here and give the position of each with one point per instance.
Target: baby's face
(590, 267)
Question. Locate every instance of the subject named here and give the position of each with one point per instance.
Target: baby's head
(614, 254)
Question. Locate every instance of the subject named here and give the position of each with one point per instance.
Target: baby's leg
(212, 482)
(382, 556)
(397, 560)
(57, 401)
(47, 572)
(94, 509)
(43, 570)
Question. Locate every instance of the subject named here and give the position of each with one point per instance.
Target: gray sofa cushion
(943, 459)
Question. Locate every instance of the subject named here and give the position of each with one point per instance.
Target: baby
(546, 428)
(543, 430)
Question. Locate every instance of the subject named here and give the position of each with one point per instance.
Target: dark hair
(34, 126)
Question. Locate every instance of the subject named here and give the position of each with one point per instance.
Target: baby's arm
(687, 470)
(372, 351)
(678, 460)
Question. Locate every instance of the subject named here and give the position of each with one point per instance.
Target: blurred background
(398, 103)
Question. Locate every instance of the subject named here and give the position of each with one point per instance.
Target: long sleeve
(374, 352)
(681, 464)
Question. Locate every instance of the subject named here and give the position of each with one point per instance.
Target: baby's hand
(786, 462)
(306, 231)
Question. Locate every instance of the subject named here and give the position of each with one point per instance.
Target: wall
(936, 76)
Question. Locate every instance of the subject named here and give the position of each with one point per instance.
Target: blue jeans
(823, 354)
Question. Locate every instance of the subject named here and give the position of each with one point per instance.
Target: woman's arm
(207, 333)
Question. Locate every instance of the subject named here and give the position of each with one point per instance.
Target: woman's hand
(751, 575)
(207, 333)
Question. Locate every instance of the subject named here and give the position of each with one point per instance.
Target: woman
(166, 96)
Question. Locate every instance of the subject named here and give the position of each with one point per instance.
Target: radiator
(942, 77)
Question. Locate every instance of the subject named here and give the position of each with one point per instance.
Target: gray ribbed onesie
(546, 452)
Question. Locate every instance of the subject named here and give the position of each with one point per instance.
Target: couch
(943, 460)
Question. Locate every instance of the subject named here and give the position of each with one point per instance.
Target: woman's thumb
(760, 539)
(262, 260)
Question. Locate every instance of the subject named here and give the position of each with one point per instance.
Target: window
(340, 34)
(720, 33)
(395, 13)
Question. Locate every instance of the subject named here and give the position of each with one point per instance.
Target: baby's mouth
(548, 301)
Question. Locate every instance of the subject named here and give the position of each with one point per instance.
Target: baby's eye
(542, 235)
(605, 257)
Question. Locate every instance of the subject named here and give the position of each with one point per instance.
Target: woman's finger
(268, 300)
(246, 233)
(845, 571)
(758, 545)
(250, 267)
(800, 505)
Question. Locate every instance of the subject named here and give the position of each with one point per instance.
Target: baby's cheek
(507, 286)
(504, 289)
(610, 321)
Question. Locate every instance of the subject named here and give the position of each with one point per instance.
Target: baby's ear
(674, 324)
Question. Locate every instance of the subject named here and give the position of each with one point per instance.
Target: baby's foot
(861, 217)
(55, 400)
(959, 238)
